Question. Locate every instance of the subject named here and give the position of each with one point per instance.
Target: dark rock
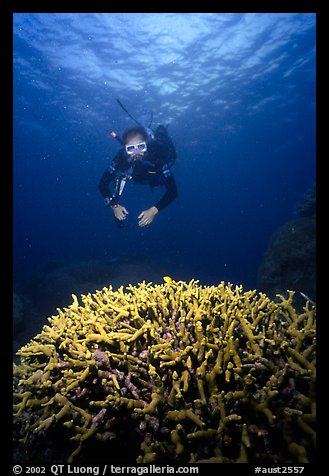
(289, 261)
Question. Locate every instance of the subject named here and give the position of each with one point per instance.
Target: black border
(7, 9)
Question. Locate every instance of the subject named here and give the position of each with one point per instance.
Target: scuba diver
(145, 158)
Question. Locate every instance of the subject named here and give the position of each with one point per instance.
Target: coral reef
(175, 372)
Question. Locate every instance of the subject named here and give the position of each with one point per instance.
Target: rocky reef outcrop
(289, 261)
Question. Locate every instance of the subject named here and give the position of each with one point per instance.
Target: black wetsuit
(152, 169)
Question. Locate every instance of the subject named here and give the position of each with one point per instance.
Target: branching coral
(200, 373)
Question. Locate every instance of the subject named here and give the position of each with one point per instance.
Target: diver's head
(134, 139)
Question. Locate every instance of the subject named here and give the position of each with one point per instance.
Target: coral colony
(195, 373)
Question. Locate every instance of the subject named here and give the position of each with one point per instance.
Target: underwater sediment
(175, 372)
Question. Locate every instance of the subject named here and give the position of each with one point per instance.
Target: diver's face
(133, 141)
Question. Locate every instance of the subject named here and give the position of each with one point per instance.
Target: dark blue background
(238, 93)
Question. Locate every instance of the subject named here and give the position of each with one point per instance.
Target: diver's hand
(120, 212)
(147, 216)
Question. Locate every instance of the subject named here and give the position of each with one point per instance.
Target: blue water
(238, 93)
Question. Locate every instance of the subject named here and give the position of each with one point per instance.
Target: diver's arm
(147, 216)
(108, 177)
(170, 193)
(104, 184)
(120, 212)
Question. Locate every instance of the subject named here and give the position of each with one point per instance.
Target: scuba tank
(161, 136)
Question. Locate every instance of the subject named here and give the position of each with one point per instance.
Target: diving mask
(140, 148)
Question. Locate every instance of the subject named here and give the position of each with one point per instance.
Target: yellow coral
(220, 374)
